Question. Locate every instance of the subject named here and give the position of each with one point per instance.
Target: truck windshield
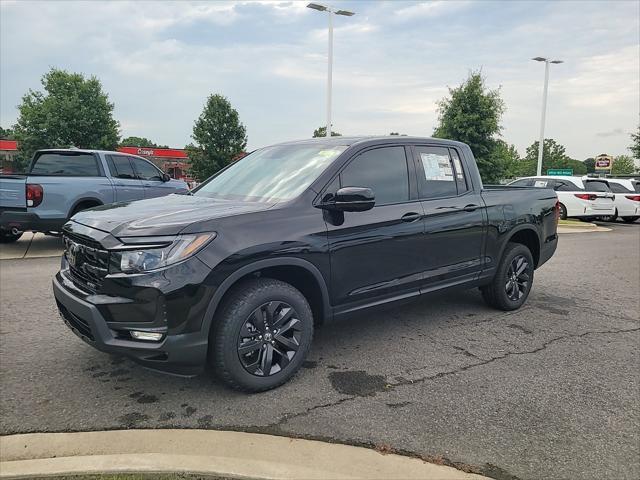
(275, 173)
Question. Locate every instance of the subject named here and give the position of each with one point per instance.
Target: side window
(461, 181)
(384, 170)
(145, 170)
(566, 186)
(439, 174)
(66, 164)
(618, 188)
(525, 182)
(120, 166)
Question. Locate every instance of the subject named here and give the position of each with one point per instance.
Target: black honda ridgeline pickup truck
(237, 274)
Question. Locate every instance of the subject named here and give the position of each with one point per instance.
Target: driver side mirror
(166, 177)
(351, 199)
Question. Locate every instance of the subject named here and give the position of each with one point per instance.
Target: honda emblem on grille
(72, 253)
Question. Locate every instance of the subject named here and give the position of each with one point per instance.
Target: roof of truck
(353, 140)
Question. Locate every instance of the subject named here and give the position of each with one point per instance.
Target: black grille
(76, 323)
(88, 261)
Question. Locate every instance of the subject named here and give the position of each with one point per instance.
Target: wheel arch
(527, 236)
(301, 274)
(90, 201)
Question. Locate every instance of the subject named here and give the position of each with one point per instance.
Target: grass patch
(570, 222)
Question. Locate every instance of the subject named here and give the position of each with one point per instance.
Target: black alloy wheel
(517, 278)
(261, 334)
(269, 339)
(562, 212)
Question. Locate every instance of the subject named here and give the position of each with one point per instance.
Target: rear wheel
(262, 335)
(7, 237)
(563, 212)
(629, 219)
(513, 280)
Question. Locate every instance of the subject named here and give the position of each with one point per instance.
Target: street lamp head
(539, 59)
(557, 61)
(317, 6)
(346, 13)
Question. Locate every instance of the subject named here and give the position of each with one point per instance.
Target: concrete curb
(205, 452)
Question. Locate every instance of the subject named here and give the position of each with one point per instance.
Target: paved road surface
(550, 391)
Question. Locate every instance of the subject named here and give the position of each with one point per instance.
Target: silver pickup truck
(61, 183)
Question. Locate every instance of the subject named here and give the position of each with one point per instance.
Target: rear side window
(384, 170)
(566, 186)
(66, 164)
(120, 166)
(439, 174)
(145, 170)
(596, 186)
(619, 188)
(461, 181)
(637, 186)
(525, 182)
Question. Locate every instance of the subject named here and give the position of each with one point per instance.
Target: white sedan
(627, 201)
(579, 197)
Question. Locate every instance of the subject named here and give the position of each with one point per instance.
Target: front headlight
(156, 252)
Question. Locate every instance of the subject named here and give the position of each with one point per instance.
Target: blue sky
(393, 60)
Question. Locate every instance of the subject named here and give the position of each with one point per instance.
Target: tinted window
(525, 182)
(461, 180)
(543, 183)
(566, 186)
(145, 170)
(384, 170)
(618, 188)
(440, 180)
(637, 186)
(69, 164)
(120, 166)
(596, 186)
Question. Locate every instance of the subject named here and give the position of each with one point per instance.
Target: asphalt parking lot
(550, 391)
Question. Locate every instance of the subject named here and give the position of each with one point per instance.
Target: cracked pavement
(549, 391)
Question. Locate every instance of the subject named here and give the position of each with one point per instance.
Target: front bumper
(182, 354)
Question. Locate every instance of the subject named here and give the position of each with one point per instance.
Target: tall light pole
(331, 12)
(544, 107)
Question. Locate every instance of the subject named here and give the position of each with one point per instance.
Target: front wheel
(262, 335)
(7, 237)
(512, 282)
(629, 219)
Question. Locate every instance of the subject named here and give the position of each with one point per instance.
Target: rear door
(128, 187)
(454, 216)
(151, 178)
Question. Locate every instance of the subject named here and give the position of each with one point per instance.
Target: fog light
(151, 336)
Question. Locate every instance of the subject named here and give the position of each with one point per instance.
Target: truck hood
(163, 215)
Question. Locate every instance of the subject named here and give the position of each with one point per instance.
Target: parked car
(627, 201)
(61, 183)
(580, 197)
(238, 273)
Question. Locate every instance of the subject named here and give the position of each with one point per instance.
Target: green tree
(140, 142)
(505, 160)
(6, 133)
(322, 132)
(72, 111)
(553, 156)
(623, 165)
(471, 114)
(635, 146)
(219, 137)
(590, 163)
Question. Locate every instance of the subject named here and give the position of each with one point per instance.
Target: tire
(563, 212)
(8, 237)
(237, 326)
(500, 292)
(629, 219)
(610, 218)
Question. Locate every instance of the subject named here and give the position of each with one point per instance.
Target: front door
(376, 255)
(454, 217)
(151, 178)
